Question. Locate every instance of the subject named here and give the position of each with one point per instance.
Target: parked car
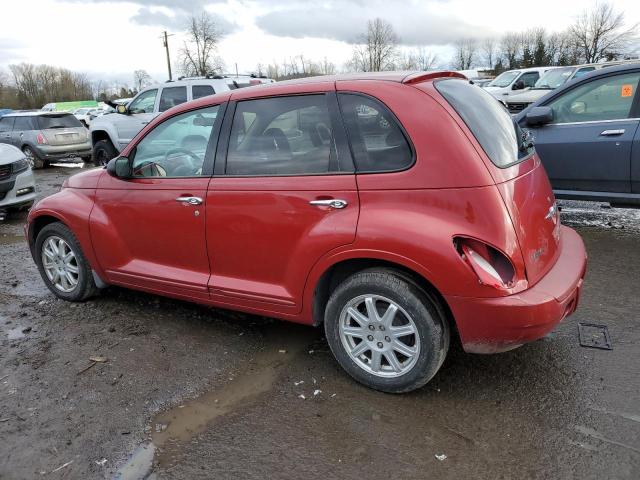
(248, 200)
(512, 82)
(552, 80)
(84, 115)
(481, 82)
(17, 186)
(586, 133)
(46, 136)
(111, 133)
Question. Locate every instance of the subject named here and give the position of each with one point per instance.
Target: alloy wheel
(60, 264)
(379, 336)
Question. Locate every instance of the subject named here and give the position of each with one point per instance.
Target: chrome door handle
(612, 133)
(190, 200)
(332, 203)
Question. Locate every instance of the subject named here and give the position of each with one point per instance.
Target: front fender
(71, 206)
(102, 129)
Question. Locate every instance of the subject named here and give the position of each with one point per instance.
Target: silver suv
(46, 136)
(112, 132)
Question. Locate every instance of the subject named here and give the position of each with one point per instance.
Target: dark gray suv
(46, 136)
(586, 133)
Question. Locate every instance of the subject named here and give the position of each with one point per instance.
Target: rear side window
(6, 124)
(488, 120)
(377, 140)
(24, 123)
(282, 136)
(172, 96)
(199, 91)
(58, 121)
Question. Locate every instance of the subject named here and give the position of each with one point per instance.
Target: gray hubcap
(60, 264)
(379, 336)
(29, 154)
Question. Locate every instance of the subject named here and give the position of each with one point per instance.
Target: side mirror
(519, 85)
(122, 109)
(539, 116)
(119, 167)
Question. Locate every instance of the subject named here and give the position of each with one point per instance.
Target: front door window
(176, 147)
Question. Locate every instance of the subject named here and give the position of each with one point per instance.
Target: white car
(17, 185)
(83, 114)
(513, 82)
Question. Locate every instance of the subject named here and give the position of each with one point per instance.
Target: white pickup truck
(112, 132)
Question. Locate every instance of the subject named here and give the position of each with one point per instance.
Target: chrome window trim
(598, 121)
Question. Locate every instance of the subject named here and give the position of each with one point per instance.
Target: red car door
(148, 231)
(283, 195)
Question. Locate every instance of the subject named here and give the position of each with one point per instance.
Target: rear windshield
(58, 121)
(489, 121)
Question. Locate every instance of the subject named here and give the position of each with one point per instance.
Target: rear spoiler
(420, 77)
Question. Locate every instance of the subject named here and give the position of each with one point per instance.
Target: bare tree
(465, 55)
(416, 59)
(326, 67)
(376, 50)
(510, 50)
(141, 79)
(198, 55)
(489, 51)
(601, 33)
(36, 85)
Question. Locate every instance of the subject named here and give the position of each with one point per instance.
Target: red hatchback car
(396, 209)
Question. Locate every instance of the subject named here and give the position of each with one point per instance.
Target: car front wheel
(103, 151)
(385, 331)
(62, 264)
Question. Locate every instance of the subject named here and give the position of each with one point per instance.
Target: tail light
(492, 267)
(41, 139)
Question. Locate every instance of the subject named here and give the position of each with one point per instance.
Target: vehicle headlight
(20, 166)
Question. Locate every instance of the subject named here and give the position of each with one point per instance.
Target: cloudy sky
(110, 39)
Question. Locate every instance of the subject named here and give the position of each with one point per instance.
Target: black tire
(431, 325)
(88, 159)
(35, 161)
(86, 287)
(103, 151)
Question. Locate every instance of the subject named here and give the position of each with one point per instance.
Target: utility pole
(165, 42)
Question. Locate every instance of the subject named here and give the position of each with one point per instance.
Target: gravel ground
(188, 392)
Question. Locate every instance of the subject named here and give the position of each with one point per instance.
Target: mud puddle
(8, 239)
(171, 430)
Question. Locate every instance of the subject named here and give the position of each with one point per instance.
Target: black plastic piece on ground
(594, 336)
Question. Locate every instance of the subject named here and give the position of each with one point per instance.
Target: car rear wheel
(32, 158)
(62, 264)
(86, 159)
(385, 331)
(103, 151)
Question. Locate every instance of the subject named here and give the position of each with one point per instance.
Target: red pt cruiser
(396, 209)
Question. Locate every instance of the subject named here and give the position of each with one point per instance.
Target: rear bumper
(491, 325)
(53, 152)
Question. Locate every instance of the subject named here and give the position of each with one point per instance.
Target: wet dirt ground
(186, 392)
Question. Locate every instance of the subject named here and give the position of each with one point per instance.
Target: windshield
(505, 79)
(554, 78)
(489, 121)
(58, 121)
